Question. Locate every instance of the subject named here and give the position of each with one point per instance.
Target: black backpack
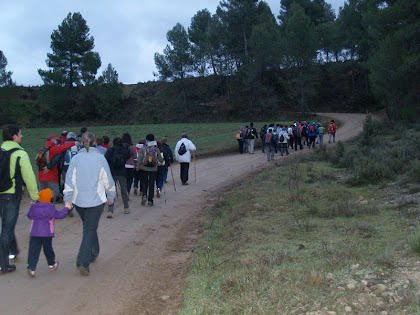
(6, 182)
(117, 159)
(182, 149)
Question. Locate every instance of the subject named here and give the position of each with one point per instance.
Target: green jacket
(26, 170)
(321, 129)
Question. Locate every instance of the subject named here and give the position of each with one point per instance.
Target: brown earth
(144, 254)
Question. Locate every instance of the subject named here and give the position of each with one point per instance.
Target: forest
(242, 62)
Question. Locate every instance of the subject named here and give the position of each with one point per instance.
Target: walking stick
(195, 168)
(173, 180)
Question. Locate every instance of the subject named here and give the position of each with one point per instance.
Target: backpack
(262, 132)
(297, 132)
(117, 160)
(249, 133)
(5, 180)
(312, 129)
(281, 139)
(268, 137)
(331, 128)
(182, 149)
(69, 154)
(43, 157)
(150, 156)
(304, 131)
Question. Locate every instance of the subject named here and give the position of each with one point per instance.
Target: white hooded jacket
(186, 157)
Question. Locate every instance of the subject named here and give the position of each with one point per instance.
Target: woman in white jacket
(182, 151)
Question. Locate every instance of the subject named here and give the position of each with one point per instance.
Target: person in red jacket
(48, 176)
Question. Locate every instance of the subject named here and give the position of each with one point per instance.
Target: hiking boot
(150, 203)
(126, 210)
(53, 267)
(109, 215)
(158, 193)
(144, 200)
(84, 271)
(186, 183)
(71, 214)
(135, 191)
(31, 273)
(7, 269)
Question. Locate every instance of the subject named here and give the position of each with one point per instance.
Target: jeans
(270, 152)
(251, 146)
(241, 146)
(312, 140)
(130, 178)
(282, 147)
(9, 211)
(159, 177)
(148, 181)
(321, 138)
(184, 172)
(298, 142)
(35, 244)
(89, 248)
(124, 194)
(165, 173)
(331, 135)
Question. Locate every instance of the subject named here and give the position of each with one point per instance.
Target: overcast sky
(127, 32)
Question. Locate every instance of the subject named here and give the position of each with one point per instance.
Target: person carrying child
(43, 215)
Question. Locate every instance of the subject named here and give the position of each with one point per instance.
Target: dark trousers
(148, 182)
(9, 212)
(35, 244)
(184, 172)
(89, 248)
(298, 142)
(159, 177)
(241, 147)
(130, 178)
(312, 141)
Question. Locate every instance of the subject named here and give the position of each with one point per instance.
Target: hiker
(283, 138)
(15, 162)
(63, 137)
(263, 131)
(240, 137)
(149, 155)
(290, 134)
(304, 133)
(183, 150)
(48, 174)
(251, 133)
(297, 133)
(167, 150)
(245, 142)
(270, 143)
(68, 155)
(130, 163)
(116, 158)
(43, 215)
(313, 133)
(332, 129)
(82, 131)
(137, 173)
(160, 167)
(89, 185)
(100, 145)
(106, 142)
(321, 130)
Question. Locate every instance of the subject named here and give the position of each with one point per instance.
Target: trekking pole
(195, 168)
(173, 180)
(164, 192)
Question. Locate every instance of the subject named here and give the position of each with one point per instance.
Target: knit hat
(46, 195)
(50, 137)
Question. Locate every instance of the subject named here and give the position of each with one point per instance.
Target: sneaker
(53, 267)
(109, 215)
(143, 200)
(135, 191)
(13, 257)
(126, 210)
(7, 269)
(165, 181)
(158, 193)
(150, 203)
(31, 273)
(186, 183)
(84, 271)
(71, 214)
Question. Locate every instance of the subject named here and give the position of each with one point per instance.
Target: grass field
(298, 239)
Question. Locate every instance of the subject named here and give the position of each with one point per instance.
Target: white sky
(127, 32)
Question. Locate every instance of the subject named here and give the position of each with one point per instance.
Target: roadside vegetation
(331, 233)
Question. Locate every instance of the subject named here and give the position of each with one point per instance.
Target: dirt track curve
(143, 254)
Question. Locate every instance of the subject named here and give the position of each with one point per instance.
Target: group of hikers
(280, 137)
(80, 171)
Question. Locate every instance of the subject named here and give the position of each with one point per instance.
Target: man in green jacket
(20, 172)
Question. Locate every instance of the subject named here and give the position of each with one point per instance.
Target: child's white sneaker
(55, 266)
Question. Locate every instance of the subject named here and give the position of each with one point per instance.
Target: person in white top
(182, 151)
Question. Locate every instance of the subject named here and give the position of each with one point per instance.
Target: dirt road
(143, 254)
